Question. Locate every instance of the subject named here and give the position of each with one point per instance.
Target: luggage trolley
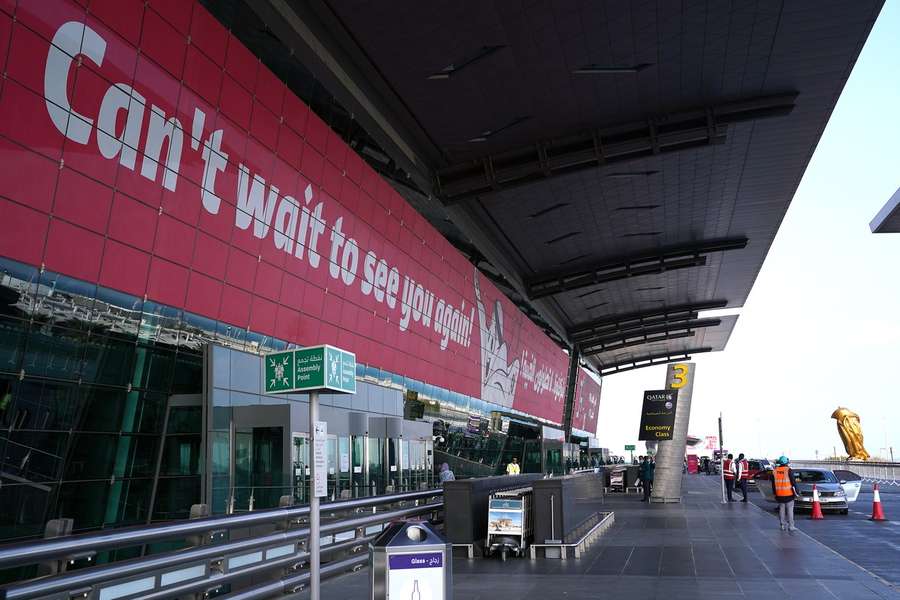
(510, 522)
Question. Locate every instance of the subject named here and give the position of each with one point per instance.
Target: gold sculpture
(851, 433)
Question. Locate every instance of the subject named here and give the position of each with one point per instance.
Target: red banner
(587, 402)
(147, 150)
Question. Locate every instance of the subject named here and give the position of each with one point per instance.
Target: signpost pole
(722, 460)
(314, 537)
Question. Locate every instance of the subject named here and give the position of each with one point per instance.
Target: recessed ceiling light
(629, 174)
(593, 306)
(642, 234)
(589, 293)
(562, 237)
(639, 207)
(455, 67)
(549, 209)
(595, 69)
(488, 133)
(573, 259)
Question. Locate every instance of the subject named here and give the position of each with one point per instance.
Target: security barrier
(274, 557)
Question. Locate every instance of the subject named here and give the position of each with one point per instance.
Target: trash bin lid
(399, 534)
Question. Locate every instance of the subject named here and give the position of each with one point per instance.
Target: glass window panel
(12, 343)
(153, 368)
(108, 360)
(188, 376)
(65, 300)
(53, 351)
(23, 509)
(35, 456)
(19, 284)
(181, 455)
(49, 404)
(174, 496)
(85, 502)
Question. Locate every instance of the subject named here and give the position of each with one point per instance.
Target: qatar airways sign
(367, 272)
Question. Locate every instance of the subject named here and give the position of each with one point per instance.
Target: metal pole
(722, 461)
(314, 592)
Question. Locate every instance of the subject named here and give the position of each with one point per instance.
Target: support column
(571, 382)
(670, 455)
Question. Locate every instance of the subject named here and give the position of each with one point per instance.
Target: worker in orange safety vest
(742, 474)
(785, 492)
(729, 473)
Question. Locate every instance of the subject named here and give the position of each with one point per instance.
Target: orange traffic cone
(877, 511)
(817, 507)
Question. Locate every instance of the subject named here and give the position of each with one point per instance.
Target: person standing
(513, 467)
(446, 474)
(785, 492)
(742, 474)
(647, 469)
(728, 473)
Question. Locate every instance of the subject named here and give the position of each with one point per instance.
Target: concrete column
(670, 455)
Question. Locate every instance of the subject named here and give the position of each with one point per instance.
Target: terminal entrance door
(258, 468)
(300, 466)
(359, 481)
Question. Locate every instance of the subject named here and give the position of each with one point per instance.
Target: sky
(821, 327)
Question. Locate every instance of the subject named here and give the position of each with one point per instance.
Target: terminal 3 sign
(145, 149)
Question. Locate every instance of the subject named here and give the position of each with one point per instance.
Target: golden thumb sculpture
(851, 433)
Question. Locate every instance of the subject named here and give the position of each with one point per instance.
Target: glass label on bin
(416, 576)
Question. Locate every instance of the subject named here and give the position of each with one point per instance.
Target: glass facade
(86, 375)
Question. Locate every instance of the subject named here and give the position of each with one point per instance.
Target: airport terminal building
(493, 205)
(180, 195)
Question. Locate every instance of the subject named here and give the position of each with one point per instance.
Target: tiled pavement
(697, 550)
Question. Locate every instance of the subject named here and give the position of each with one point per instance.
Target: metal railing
(272, 552)
(885, 473)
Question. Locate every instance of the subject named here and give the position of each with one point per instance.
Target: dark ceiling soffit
(313, 32)
(642, 342)
(644, 335)
(888, 218)
(645, 263)
(632, 319)
(650, 360)
(592, 148)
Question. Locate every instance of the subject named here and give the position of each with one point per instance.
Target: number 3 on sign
(680, 376)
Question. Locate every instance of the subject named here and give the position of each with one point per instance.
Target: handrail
(37, 551)
(86, 578)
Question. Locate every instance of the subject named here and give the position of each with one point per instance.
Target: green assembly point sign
(317, 368)
(629, 447)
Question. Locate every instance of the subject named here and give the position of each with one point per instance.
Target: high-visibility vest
(512, 469)
(783, 486)
(726, 468)
(745, 469)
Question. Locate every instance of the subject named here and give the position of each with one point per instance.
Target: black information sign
(658, 415)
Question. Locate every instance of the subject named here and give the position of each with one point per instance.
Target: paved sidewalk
(697, 550)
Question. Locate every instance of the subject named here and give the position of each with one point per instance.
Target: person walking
(728, 473)
(742, 474)
(785, 492)
(513, 467)
(646, 470)
(446, 474)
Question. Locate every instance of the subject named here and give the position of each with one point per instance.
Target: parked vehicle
(832, 494)
(758, 465)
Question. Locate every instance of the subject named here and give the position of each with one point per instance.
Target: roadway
(874, 546)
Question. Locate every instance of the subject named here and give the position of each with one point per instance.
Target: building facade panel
(165, 168)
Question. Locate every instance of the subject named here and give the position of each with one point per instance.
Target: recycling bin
(410, 560)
